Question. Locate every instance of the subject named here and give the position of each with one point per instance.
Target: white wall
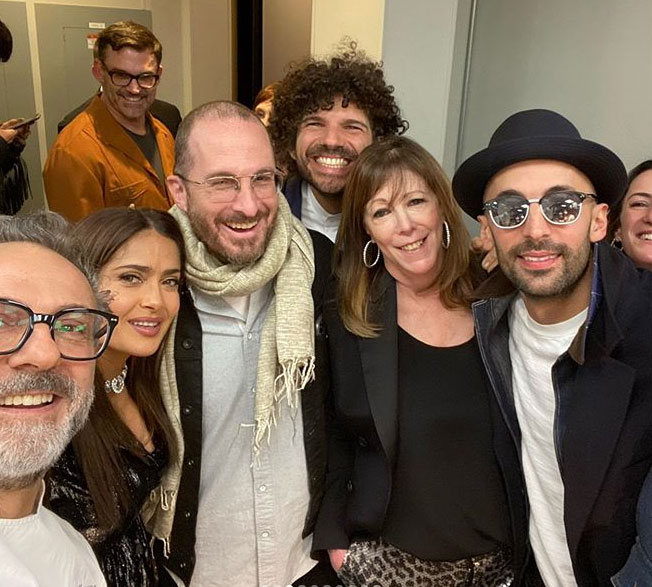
(286, 36)
(362, 20)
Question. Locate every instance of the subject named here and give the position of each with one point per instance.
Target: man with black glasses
(565, 336)
(50, 335)
(114, 153)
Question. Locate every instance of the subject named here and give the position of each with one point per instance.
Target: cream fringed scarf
(286, 358)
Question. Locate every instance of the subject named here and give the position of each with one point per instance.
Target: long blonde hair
(380, 163)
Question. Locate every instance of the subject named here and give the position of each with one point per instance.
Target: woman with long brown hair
(116, 460)
(414, 489)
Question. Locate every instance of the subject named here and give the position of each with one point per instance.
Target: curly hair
(314, 84)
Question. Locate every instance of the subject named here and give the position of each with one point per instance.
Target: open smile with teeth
(333, 162)
(145, 323)
(538, 258)
(413, 246)
(34, 399)
(241, 226)
(646, 236)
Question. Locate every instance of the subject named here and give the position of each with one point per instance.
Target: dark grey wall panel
(588, 59)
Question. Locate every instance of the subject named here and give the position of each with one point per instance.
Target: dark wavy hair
(314, 84)
(99, 444)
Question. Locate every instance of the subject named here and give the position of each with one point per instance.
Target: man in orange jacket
(114, 153)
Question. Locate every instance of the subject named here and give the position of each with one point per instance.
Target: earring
(364, 254)
(446, 240)
(616, 243)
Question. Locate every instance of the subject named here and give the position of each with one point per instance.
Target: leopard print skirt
(376, 563)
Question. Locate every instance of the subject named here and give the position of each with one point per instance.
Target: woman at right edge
(415, 493)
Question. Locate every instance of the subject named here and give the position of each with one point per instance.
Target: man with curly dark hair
(325, 113)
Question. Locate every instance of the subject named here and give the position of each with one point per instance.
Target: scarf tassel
(294, 376)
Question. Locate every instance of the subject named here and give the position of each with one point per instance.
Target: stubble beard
(541, 286)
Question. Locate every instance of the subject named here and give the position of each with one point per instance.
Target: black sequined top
(124, 555)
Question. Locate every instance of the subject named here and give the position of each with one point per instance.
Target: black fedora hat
(538, 134)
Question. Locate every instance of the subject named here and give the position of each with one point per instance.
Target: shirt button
(265, 534)
(190, 462)
(187, 410)
(249, 336)
(263, 488)
(187, 343)
(187, 515)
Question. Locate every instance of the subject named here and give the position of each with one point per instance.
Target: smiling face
(142, 279)
(541, 259)
(128, 104)
(403, 218)
(328, 142)
(636, 221)
(236, 231)
(44, 399)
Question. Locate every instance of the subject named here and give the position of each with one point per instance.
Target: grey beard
(28, 449)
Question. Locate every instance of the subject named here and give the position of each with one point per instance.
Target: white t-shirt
(534, 348)
(315, 217)
(42, 550)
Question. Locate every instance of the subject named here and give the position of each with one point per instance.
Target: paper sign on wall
(96, 25)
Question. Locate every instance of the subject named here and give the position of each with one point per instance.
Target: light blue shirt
(251, 512)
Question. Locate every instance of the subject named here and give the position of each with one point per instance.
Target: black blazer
(362, 430)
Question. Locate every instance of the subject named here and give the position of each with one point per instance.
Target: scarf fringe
(294, 376)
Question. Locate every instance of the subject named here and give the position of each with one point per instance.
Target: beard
(207, 230)
(555, 282)
(29, 449)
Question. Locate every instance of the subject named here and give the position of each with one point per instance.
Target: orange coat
(95, 164)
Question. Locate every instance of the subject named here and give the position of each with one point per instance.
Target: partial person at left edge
(51, 333)
(14, 182)
(115, 153)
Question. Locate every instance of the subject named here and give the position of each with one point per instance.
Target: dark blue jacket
(638, 569)
(603, 428)
(292, 191)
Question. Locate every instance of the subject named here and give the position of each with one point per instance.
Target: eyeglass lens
(144, 80)
(78, 335)
(510, 211)
(263, 184)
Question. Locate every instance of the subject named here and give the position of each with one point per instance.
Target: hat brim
(603, 167)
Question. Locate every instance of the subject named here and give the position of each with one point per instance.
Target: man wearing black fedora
(564, 329)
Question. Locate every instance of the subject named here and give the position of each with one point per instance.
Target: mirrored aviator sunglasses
(558, 208)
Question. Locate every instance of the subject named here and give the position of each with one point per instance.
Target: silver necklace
(117, 384)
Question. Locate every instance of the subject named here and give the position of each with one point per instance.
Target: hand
(21, 135)
(336, 555)
(490, 260)
(7, 134)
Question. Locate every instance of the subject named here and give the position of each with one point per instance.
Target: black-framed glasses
(81, 334)
(224, 188)
(122, 79)
(559, 208)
